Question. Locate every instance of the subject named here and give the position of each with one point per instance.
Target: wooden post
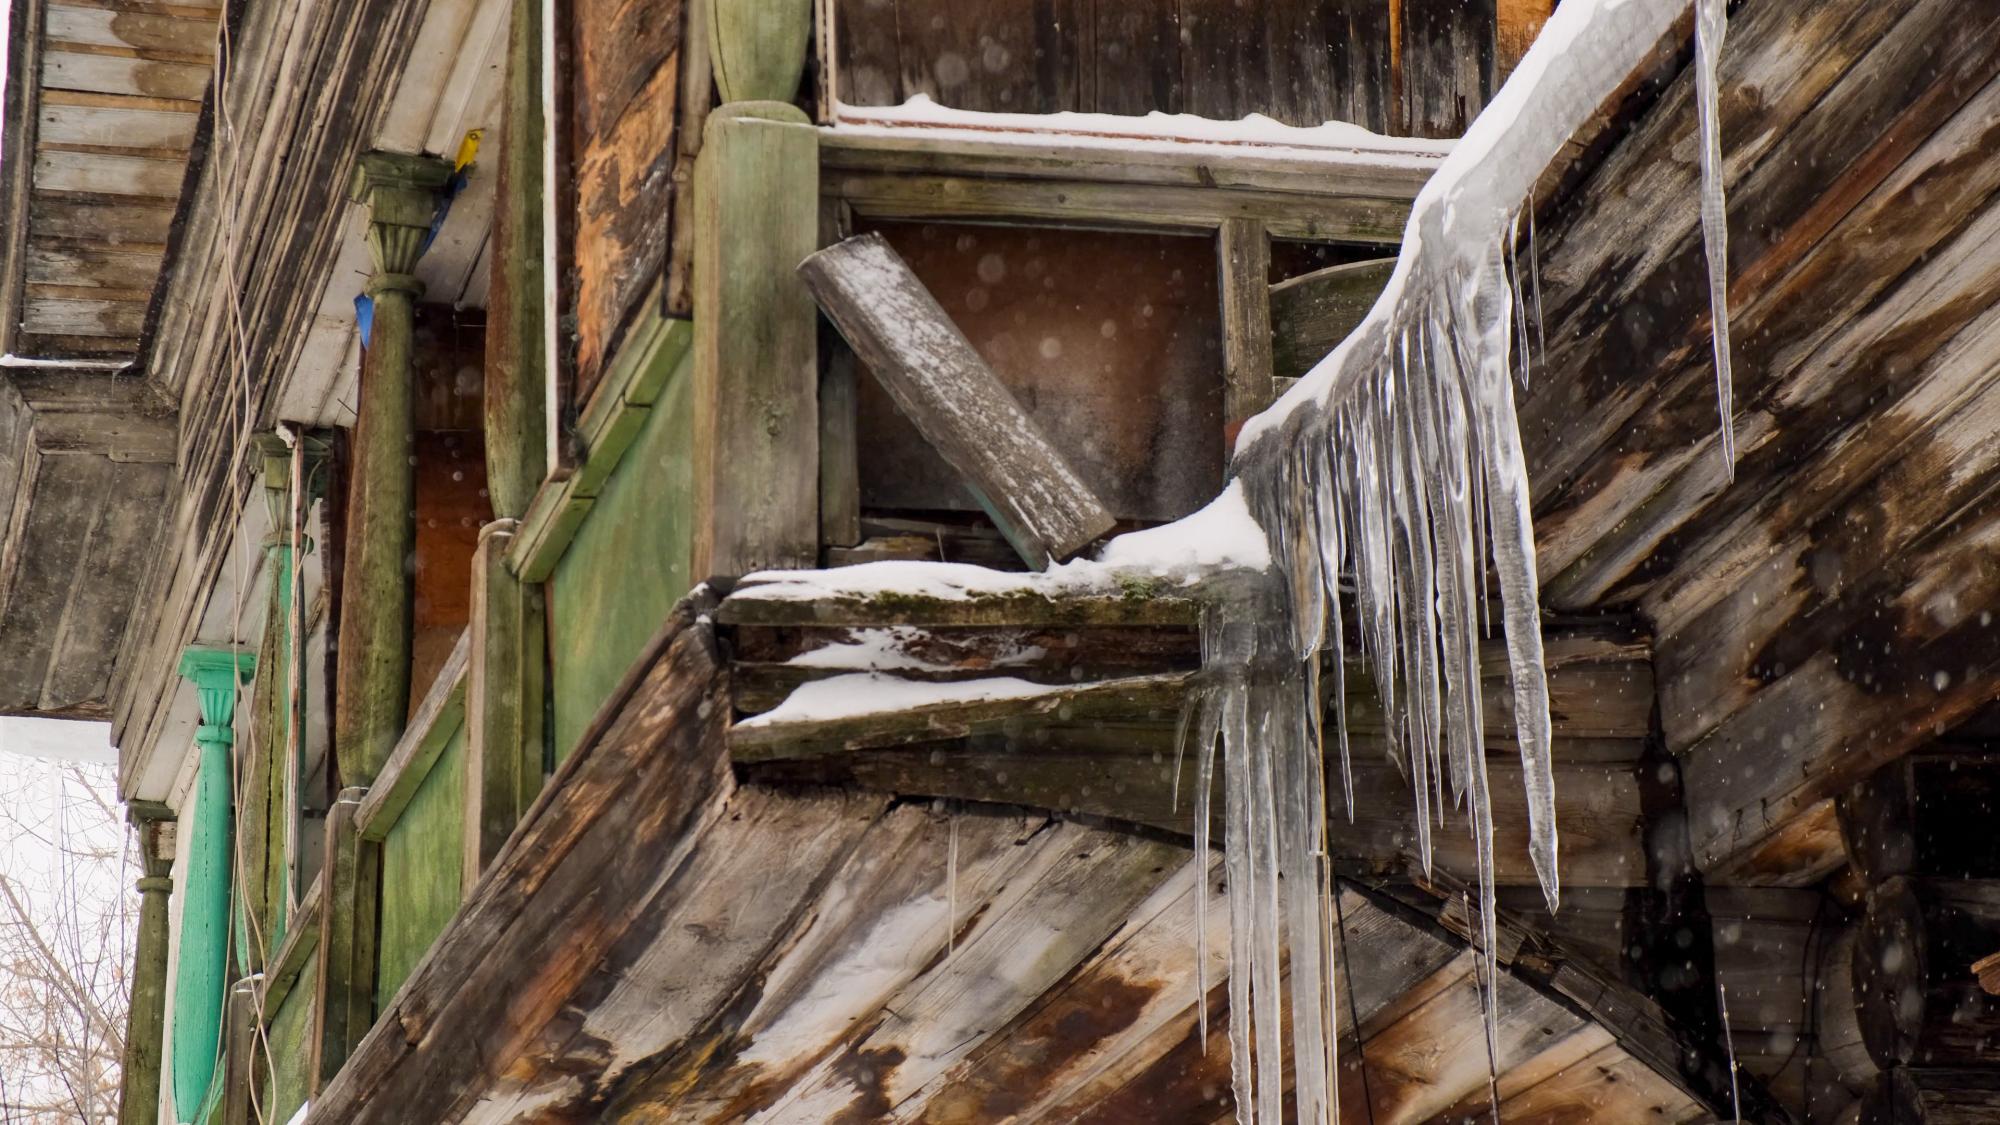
(344, 1004)
(756, 392)
(204, 935)
(146, 1017)
(239, 1076)
(504, 694)
(1243, 257)
(374, 661)
(516, 397)
(957, 403)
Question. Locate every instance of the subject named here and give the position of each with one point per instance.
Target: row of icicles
(1382, 516)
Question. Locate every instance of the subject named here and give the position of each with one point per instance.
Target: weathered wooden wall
(624, 80)
(627, 566)
(1111, 343)
(1406, 67)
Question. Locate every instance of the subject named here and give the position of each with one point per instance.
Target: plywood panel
(1110, 342)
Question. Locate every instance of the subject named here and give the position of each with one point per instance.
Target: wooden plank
(99, 266)
(506, 685)
(1638, 208)
(422, 870)
(777, 600)
(82, 658)
(1004, 958)
(344, 978)
(1137, 58)
(58, 508)
(756, 371)
(1363, 34)
(102, 174)
(1446, 64)
(115, 74)
(1516, 24)
(953, 397)
(58, 311)
(115, 128)
(1124, 772)
(295, 955)
(625, 152)
(654, 1008)
(430, 727)
(138, 30)
(1371, 220)
(21, 110)
(1866, 289)
(1056, 156)
(967, 708)
(1243, 260)
(1311, 314)
(557, 899)
(130, 225)
(1139, 984)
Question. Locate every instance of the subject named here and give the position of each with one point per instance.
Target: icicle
(1711, 23)
(1384, 483)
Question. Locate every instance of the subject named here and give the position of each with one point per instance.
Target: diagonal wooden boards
(939, 382)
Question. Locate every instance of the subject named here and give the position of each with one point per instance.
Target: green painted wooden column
(400, 193)
(204, 939)
(516, 392)
(146, 1018)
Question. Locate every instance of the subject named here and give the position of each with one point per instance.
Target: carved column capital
(400, 192)
(215, 672)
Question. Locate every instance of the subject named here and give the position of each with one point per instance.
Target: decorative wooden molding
(634, 380)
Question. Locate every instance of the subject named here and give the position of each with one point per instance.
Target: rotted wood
(1313, 313)
(557, 900)
(955, 400)
(1919, 1000)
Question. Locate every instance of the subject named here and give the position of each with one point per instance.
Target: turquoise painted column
(204, 938)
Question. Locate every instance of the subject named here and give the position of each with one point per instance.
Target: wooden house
(407, 401)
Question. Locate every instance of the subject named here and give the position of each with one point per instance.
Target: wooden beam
(1054, 158)
(18, 120)
(1919, 1000)
(1243, 261)
(756, 389)
(955, 400)
(807, 599)
(963, 709)
(1119, 206)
